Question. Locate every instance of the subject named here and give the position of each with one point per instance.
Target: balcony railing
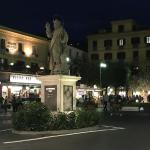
(20, 56)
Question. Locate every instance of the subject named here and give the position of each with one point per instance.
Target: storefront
(93, 92)
(21, 85)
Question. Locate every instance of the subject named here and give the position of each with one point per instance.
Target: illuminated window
(148, 40)
(121, 42)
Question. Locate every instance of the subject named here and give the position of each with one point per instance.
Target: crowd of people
(114, 102)
(6, 103)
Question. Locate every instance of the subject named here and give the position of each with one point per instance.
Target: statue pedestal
(58, 92)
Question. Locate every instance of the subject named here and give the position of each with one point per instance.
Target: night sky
(81, 17)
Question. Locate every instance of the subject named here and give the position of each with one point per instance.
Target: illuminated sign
(24, 79)
(11, 45)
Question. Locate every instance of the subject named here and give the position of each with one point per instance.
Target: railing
(6, 55)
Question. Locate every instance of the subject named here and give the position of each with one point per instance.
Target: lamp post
(102, 65)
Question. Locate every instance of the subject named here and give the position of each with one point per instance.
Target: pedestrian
(1, 102)
(14, 103)
(105, 102)
(5, 104)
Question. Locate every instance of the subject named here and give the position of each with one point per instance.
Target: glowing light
(24, 79)
(27, 66)
(14, 89)
(12, 51)
(4, 88)
(136, 93)
(141, 109)
(95, 87)
(11, 64)
(67, 59)
(110, 91)
(42, 68)
(103, 65)
(122, 93)
(28, 52)
(12, 47)
(95, 94)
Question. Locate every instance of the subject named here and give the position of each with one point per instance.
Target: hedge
(36, 117)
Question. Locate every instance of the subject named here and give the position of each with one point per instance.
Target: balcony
(13, 67)
(20, 56)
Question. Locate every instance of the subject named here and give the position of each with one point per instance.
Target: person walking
(1, 102)
(14, 103)
(5, 104)
(105, 102)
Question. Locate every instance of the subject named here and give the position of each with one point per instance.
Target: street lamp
(102, 65)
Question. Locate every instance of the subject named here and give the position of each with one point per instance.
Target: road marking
(114, 127)
(63, 135)
(5, 130)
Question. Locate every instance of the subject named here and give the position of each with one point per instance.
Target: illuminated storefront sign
(24, 79)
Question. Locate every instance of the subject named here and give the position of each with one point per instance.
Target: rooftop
(23, 33)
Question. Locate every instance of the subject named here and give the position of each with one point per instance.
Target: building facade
(20, 50)
(125, 41)
(77, 53)
(23, 57)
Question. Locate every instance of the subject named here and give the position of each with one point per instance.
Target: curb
(55, 132)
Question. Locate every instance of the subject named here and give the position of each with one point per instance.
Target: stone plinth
(58, 92)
